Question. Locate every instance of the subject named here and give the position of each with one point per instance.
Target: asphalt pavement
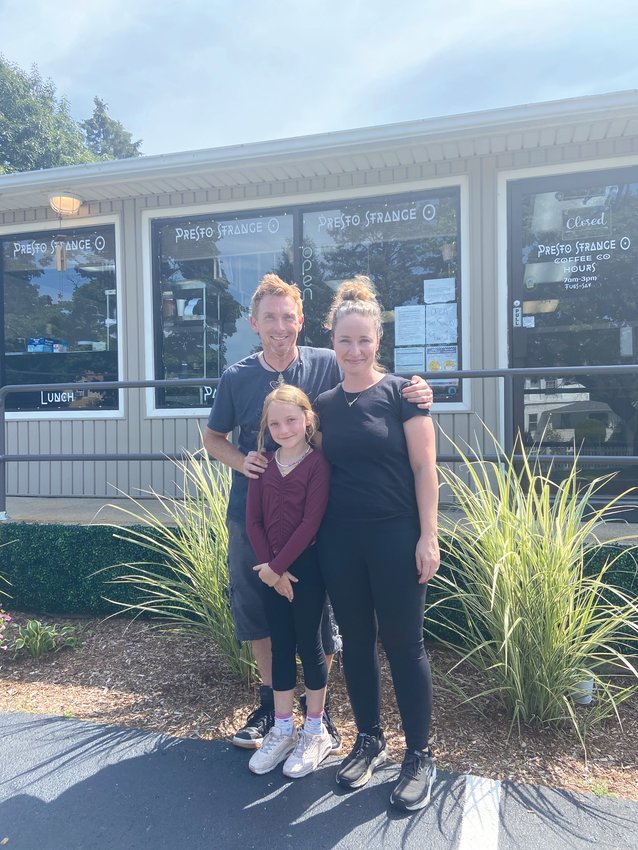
(71, 785)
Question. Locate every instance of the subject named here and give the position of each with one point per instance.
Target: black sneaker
(368, 753)
(258, 723)
(418, 773)
(335, 737)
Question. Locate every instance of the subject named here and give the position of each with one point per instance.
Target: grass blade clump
(521, 605)
(184, 578)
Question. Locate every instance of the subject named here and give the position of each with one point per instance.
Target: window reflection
(60, 316)
(207, 270)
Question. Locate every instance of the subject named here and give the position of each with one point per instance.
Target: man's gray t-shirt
(239, 401)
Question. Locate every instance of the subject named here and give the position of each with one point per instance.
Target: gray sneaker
(418, 773)
(368, 753)
(274, 749)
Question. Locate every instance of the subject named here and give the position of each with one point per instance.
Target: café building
(495, 239)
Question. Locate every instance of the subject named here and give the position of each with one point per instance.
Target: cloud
(202, 73)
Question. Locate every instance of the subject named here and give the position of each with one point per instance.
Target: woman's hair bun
(358, 288)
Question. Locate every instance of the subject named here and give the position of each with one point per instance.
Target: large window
(207, 268)
(60, 316)
(409, 247)
(574, 297)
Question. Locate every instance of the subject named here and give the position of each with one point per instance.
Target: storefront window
(573, 289)
(60, 316)
(206, 270)
(409, 247)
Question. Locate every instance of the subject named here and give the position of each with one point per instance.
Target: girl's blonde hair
(287, 394)
(355, 295)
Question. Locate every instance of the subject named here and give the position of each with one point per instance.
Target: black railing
(508, 376)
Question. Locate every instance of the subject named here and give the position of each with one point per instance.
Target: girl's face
(355, 341)
(287, 425)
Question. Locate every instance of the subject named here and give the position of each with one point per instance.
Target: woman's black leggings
(295, 627)
(369, 569)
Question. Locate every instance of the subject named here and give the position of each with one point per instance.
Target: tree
(37, 130)
(106, 137)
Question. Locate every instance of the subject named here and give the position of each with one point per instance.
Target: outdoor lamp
(65, 203)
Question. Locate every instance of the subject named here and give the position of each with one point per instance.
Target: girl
(378, 542)
(284, 509)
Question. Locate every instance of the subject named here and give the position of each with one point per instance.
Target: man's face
(278, 324)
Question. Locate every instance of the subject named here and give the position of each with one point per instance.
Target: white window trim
(503, 179)
(78, 223)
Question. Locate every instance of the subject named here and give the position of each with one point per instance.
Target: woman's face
(355, 341)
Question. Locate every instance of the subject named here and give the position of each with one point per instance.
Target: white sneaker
(310, 751)
(274, 749)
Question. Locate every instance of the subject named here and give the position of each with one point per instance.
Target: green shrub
(36, 638)
(184, 579)
(526, 590)
(52, 568)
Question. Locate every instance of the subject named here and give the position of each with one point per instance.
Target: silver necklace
(348, 401)
(295, 462)
(280, 377)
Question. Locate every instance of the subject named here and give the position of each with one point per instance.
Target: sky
(199, 74)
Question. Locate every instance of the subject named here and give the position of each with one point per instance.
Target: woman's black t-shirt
(365, 443)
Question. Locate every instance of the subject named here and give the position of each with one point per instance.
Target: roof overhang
(477, 134)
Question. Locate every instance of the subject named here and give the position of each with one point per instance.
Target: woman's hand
(418, 392)
(268, 576)
(284, 586)
(428, 557)
(254, 464)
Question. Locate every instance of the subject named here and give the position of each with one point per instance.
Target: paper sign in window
(441, 323)
(409, 325)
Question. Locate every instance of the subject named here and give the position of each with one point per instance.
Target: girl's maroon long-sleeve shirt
(284, 512)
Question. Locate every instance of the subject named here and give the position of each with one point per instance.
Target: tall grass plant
(184, 578)
(521, 608)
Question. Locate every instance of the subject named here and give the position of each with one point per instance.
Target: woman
(378, 542)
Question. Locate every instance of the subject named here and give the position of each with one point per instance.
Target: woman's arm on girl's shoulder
(421, 443)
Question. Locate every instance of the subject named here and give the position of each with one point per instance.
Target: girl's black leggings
(295, 626)
(369, 569)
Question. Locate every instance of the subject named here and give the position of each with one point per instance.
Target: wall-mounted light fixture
(65, 203)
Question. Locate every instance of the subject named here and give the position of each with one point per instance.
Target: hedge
(52, 568)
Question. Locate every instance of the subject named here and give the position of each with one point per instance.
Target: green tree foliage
(37, 130)
(106, 137)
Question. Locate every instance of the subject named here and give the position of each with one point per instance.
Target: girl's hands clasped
(282, 584)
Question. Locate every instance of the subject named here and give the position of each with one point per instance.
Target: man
(277, 318)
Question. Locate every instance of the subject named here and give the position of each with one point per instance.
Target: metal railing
(507, 375)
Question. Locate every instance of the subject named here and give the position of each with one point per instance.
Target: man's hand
(418, 392)
(254, 464)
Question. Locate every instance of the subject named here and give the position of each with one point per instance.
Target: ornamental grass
(184, 579)
(521, 603)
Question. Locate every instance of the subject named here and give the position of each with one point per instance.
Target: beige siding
(137, 432)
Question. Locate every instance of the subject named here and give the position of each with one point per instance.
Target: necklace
(348, 402)
(295, 462)
(280, 378)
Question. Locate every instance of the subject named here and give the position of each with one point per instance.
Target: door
(573, 290)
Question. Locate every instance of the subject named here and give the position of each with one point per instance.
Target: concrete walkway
(70, 785)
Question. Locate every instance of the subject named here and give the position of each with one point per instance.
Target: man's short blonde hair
(272, 284)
